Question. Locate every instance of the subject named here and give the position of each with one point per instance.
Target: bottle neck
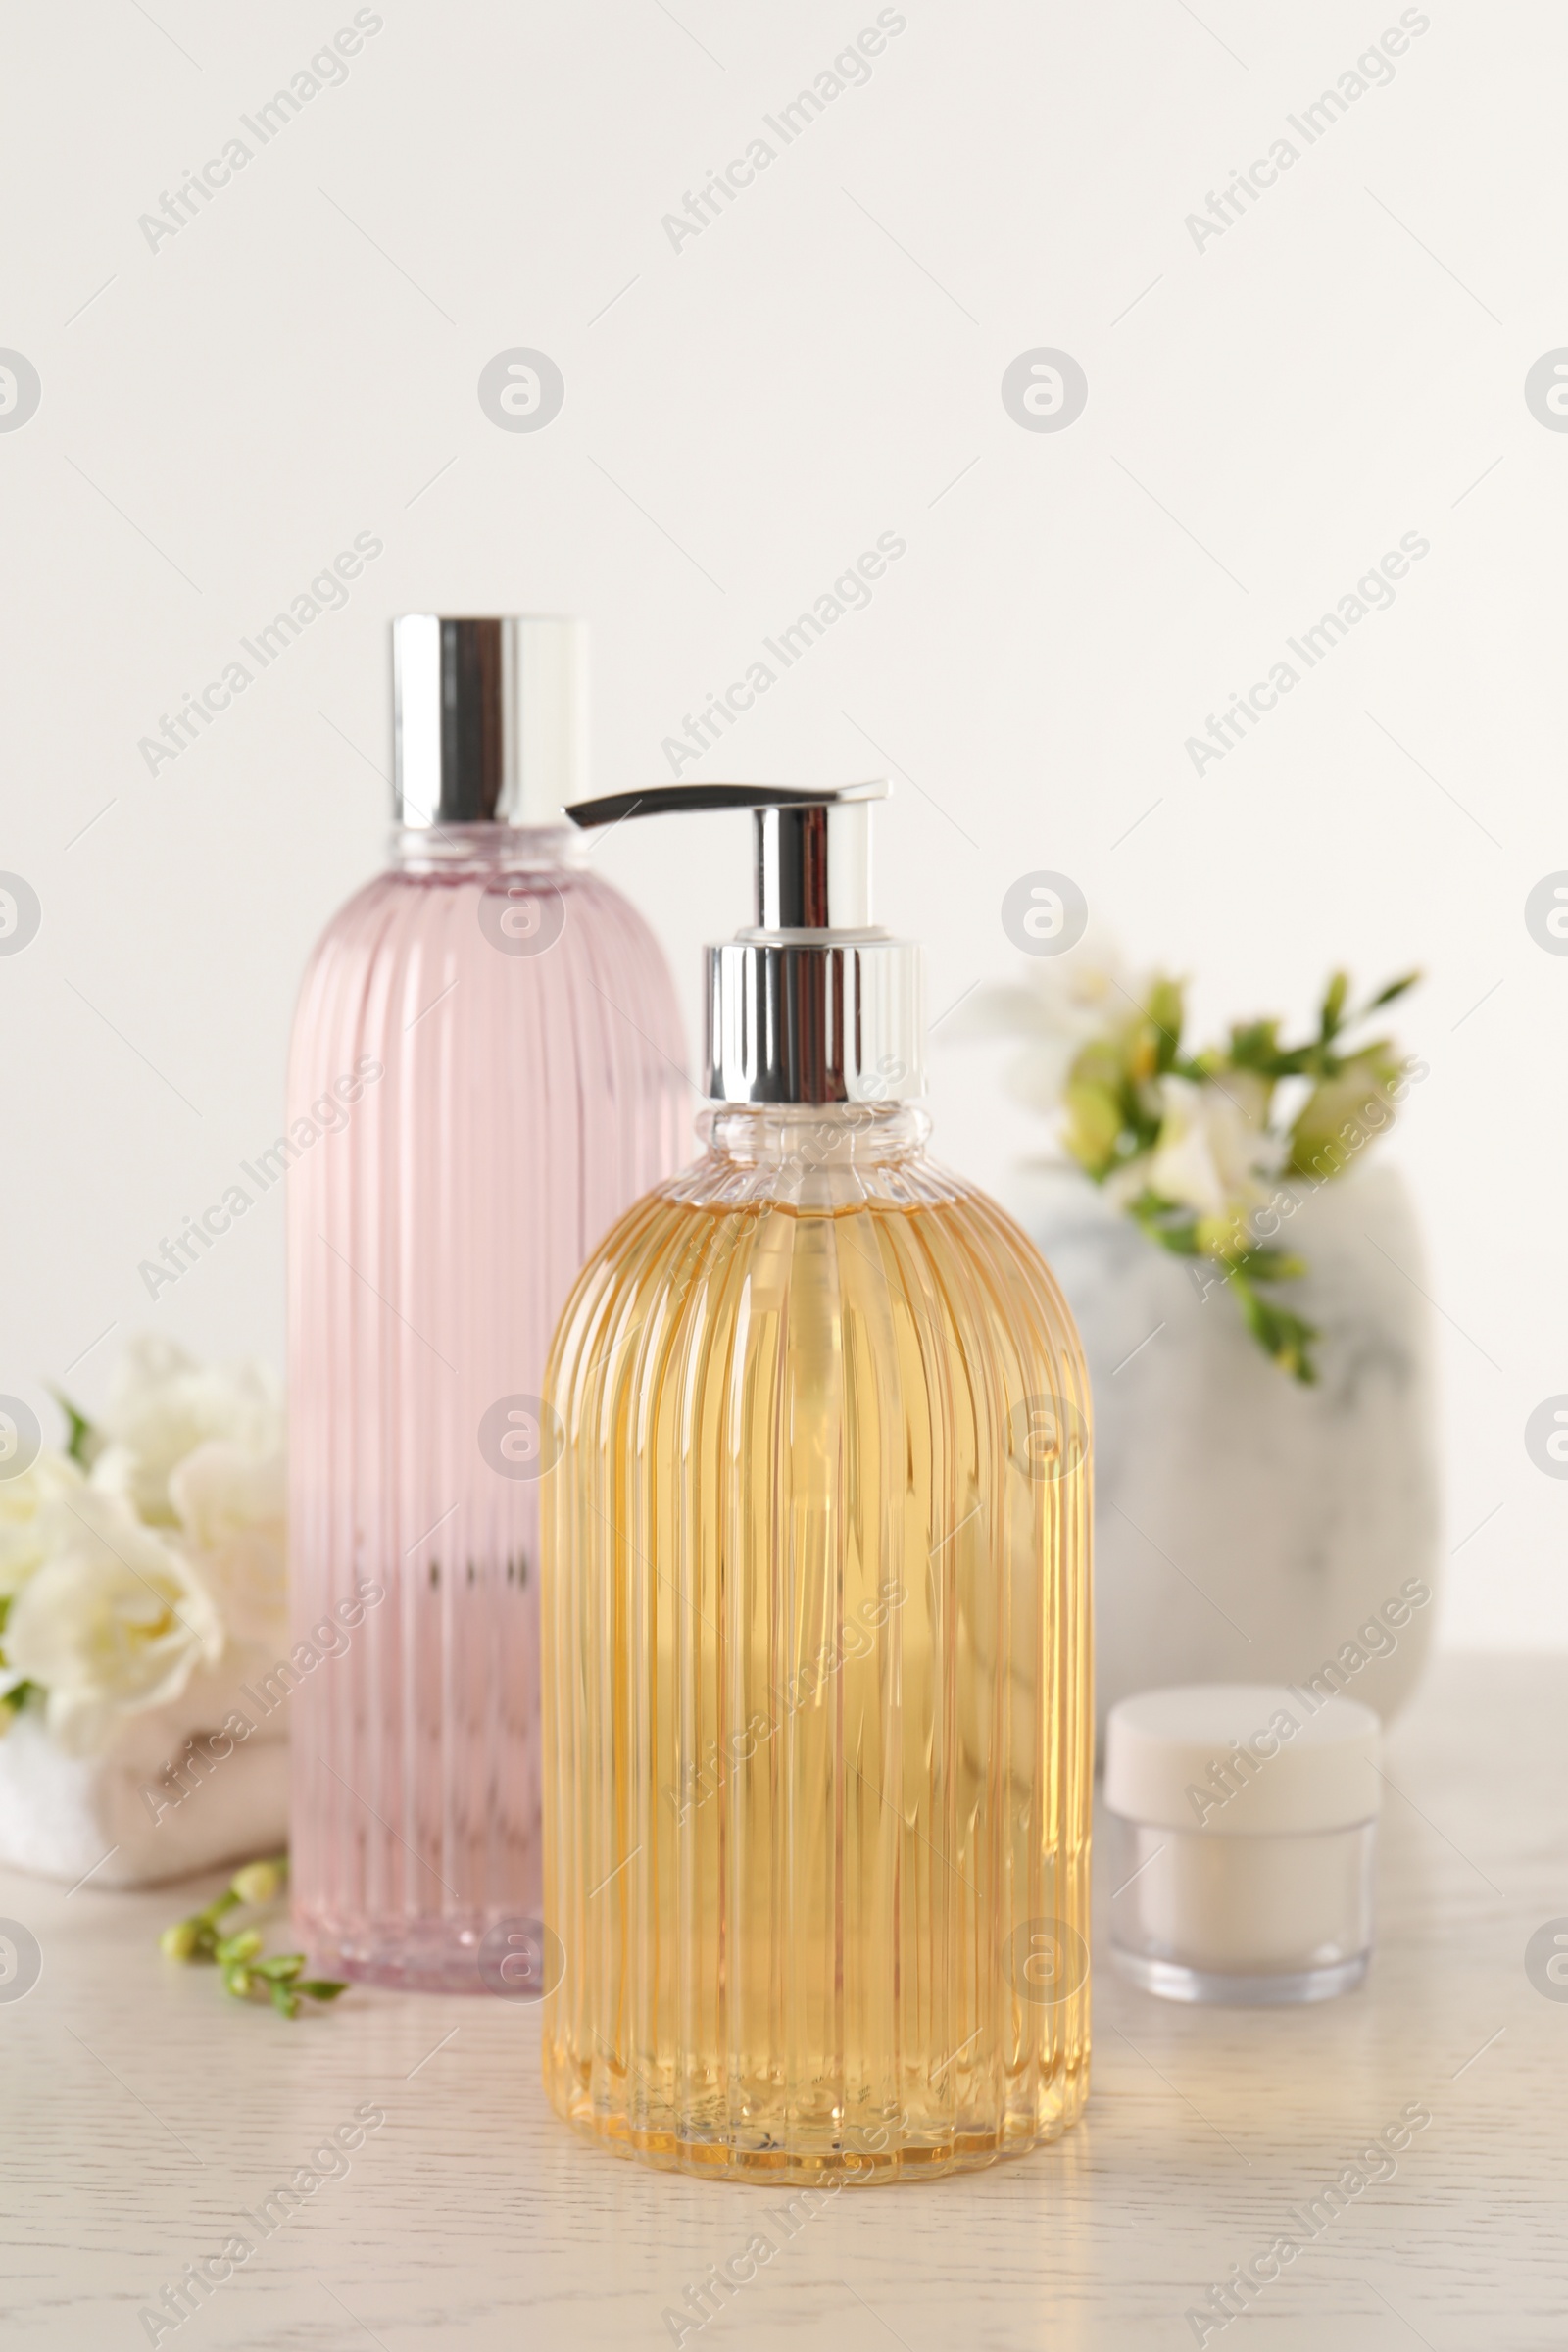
(456, 850)
(810, 1139)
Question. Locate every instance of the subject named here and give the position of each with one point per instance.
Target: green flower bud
(259, 1882)
(179, 1941)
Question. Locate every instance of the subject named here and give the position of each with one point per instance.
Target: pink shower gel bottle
(487, 1069)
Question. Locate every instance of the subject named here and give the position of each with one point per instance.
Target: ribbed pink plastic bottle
(488, 1060)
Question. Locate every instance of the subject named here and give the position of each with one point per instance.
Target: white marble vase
(1248, 1528)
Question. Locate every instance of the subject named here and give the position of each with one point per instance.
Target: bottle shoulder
(400, 902)
(554, 927)
(913, 1184)
(551, 962)
(807, 1184)
(911, 1233)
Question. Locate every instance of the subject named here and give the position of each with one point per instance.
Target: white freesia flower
(24, 1517)
(230, 1505)
(1056, 1008)
(1213, 1146)
(112, 1623)
(164, 1405)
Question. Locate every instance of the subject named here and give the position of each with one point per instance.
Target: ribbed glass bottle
(488, 1047)
(818, 1714)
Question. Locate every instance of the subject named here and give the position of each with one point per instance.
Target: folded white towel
(174, 1793)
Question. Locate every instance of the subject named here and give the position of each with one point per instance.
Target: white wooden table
(144, 2112)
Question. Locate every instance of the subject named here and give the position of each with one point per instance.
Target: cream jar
(1243, 1834)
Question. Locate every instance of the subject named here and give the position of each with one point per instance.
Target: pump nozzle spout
(813, 1003)
(814, 849)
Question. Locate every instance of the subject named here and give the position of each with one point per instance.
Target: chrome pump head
(490, 718)
(814, 1003)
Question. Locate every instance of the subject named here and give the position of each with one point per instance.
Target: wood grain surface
(145, 2115)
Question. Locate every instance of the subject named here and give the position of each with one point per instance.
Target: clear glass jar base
(856, 2157)
(406, 1956)
(834, 2167)
(1174, 1981)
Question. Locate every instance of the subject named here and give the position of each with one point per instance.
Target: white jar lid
(1242, 1759)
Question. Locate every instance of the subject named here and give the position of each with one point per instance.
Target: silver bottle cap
(490, 718)
(815, 1002)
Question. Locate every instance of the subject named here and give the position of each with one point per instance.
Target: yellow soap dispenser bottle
(815, 1559)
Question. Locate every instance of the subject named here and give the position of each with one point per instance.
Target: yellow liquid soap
(817, 1722)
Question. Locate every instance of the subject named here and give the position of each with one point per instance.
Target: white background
(1266, 416)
